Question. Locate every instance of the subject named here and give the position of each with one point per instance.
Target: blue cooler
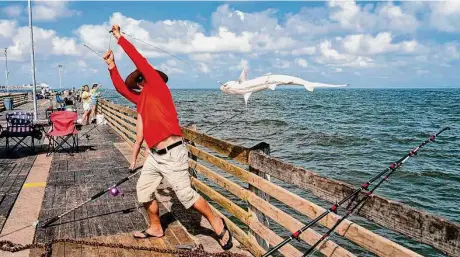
(8, 103)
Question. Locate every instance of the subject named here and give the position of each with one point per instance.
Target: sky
(365, 44)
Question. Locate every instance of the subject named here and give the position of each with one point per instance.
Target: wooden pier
(246, 186)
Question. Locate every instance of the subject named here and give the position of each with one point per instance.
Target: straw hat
(136, 76)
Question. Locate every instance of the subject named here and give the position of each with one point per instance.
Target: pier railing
(18, 99)
(245, 174)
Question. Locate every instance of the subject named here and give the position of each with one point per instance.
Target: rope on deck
(9, 246)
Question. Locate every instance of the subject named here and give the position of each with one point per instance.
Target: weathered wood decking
(14, 167)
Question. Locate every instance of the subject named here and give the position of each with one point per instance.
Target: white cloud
(309, 50)
(301, 62)
(445, 16)
(46, 42)
(52, 10)
(381, 43)
(332, 57)
(204, 57)
(243, 64)
(385, 16)
(13, 11)
(7, 28)
(282, 64)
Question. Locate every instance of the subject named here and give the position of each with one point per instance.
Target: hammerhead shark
(246, 87)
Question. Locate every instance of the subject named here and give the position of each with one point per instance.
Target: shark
(246, 87)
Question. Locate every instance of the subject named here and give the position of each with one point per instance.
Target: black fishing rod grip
(121, 181)
(98, 194)
(50, 221)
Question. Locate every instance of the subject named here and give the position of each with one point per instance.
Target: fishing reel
(115, 192)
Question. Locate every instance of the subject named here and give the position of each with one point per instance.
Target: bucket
(8, 103)
(100, 119)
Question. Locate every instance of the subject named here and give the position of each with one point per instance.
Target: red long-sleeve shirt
(154, 103)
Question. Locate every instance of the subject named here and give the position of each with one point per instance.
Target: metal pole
(60, 66)
(32, 57)
(7, 72)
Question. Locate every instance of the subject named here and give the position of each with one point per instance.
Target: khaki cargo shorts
(173, 166)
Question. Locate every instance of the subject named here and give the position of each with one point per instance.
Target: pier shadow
(189, 218)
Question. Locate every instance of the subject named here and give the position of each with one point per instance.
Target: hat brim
(133, 78)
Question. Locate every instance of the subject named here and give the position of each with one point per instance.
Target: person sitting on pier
(168, 155)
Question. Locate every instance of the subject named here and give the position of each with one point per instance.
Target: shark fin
(272, 86)
(246, 97)
(243, 75)
(308, 87)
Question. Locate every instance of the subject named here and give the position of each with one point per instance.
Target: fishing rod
(87, 132)
(164, 51)
(352, 196)
(98, 54)
(393, 167)
(113, 190)
(92, 198)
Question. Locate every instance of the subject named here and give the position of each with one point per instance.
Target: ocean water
(348, 135)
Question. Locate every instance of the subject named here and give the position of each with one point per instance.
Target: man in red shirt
(168, 155)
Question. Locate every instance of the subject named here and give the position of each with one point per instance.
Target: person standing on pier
(168, 155)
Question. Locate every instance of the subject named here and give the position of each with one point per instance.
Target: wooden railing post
(191, 170)
(265, 148)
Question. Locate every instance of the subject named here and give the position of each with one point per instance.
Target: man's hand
(116, 31)
(109, 59)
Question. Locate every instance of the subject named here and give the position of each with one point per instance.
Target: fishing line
(164, 51)
(94, 51)
(110, 40)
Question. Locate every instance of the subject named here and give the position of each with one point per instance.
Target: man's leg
(179, 178)
(202, 206)
(155, 228)
(148, 182)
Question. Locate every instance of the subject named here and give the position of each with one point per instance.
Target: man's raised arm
(150, 75)
(117, 81)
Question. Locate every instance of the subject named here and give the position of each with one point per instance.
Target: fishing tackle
(92, 198)
(115, 192)
(394, 166)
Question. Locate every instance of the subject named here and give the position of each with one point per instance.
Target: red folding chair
(63, 128)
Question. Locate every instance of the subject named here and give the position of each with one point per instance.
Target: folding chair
(19, 127)
(63, 128)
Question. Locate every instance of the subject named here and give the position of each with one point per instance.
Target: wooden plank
(328, 247)
(130, 121)
(117, 117)
(231, 207)
(365, 238)
(309, 236)
(273, 238)
(236, 171)
(421, 226)
(233, 151)
(358, 234)
(72, 250)
(241, 236)
(254, 211)
(221, 181)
